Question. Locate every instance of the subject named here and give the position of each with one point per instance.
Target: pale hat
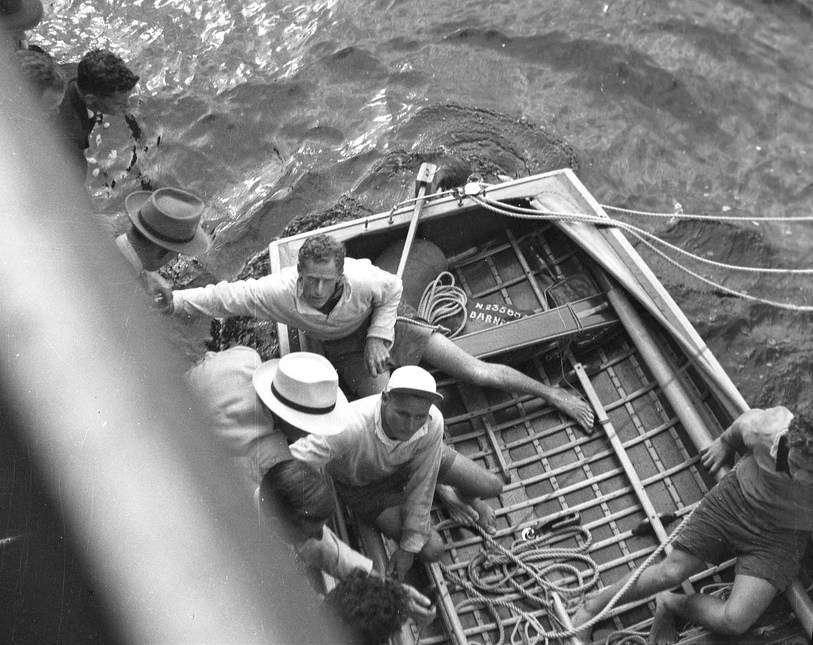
(169, 217)
(303, 389)
(414, 380)
(19, 15)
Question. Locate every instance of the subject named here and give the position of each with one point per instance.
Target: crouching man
(761, 512)
(389, 456)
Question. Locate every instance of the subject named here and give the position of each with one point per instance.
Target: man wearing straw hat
(232, 386)
(388, 458)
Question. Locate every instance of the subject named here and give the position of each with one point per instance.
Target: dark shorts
(723, 525)
(368, 502)
(347, 354)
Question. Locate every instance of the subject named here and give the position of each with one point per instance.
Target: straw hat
(303, 389)
(169, 217)
(414, 380)
(19, 15)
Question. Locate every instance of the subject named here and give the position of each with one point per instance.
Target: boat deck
(630, 481)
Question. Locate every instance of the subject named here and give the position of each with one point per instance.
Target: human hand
(400, 562)
(715, 455)
(419, 607)
(376, 355)
(159, 289)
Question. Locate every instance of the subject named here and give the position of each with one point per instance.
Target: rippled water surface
(272, 111)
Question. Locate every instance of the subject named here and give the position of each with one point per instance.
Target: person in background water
(101, 84)
(163, 224)
(16, 17)
(43, 77)
(761, 512)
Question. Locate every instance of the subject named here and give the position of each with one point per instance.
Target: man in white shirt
(388, 458)
(326, 295)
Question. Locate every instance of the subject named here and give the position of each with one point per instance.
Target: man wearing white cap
(388, 458)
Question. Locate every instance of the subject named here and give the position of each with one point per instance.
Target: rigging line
(528, 213)
(717, 218)
(717, 285)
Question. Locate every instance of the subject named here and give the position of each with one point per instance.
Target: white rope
(532, 213)
(441, 301)
(713, 218)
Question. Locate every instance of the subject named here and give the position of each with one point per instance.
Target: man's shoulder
(365, 272)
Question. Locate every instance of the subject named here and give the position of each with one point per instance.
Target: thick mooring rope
(519, 559)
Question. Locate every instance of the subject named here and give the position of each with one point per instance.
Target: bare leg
(461, 488)
(389, 523)
(670, 572)
(444, 354)
(664, 630)
(750, 596)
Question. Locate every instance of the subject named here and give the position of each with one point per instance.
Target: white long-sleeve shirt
(368, 292)
(362, 454)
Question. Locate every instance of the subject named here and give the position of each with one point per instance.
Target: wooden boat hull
(602, 324)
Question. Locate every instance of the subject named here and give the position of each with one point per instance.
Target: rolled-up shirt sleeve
(386, 295)
(314, 450)
(261, 298)
(419, 491)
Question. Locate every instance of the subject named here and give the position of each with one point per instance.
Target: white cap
(414, 380)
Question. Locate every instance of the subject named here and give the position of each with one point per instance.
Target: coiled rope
(443, 299)
(522, 555)
(641, 234)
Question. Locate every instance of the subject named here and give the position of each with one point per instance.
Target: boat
(598, 320)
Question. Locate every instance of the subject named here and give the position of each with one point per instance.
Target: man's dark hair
(299, 489)
(373, 609)
(103, 73)
(322, 248)
(39, 70)
(800, 434)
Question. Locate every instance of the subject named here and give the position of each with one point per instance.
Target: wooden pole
(426, 174)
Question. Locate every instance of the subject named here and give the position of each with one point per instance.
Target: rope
(441, 301)
(530, 213)
(532, 630)
(713, 218)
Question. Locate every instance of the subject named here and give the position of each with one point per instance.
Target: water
(273, 111)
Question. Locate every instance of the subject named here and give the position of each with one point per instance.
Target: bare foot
(664, 631)
(573, 406)
(460, 511)
(487, 518)
(467, 512)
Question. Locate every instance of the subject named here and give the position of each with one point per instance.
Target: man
(16, 17)
(352, 306)
(389, 456)
(761, 511)
(326, 295)
(43, 77)
(102, 85)
(282, 487)
(163, 224)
